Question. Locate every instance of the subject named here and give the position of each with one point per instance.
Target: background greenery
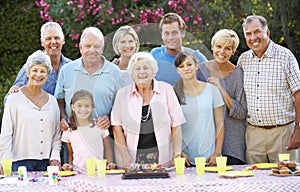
(20, 22)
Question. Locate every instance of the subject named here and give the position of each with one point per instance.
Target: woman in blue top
(202, 104)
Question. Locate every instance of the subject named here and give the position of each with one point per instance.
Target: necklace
(145, 118)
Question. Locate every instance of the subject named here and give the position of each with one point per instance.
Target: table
(9, 184)
(262, 181)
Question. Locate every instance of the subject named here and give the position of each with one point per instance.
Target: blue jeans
(31, 164)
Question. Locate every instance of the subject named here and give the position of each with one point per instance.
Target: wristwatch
(297, 124)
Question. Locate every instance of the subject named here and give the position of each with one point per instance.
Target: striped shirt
(269, 84)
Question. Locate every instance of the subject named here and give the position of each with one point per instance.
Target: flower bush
(108, 15)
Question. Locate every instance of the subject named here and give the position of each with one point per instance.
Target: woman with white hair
(30, 134)
(146, 117)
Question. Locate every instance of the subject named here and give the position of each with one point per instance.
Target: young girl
(202, 105)
(83, 140)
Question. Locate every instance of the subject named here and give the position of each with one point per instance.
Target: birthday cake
(145, 171)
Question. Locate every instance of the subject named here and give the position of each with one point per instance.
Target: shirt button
(257, 97)
(41, 120)
(41, 153)
(259, 120)
(42, 142)
(42, 131)
(257, 85)
(258, 72)
(257, 110)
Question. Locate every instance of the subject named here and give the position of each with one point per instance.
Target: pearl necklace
(145, 118)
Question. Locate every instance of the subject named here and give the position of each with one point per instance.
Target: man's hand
(103, 122)
(295, 139)
(13, 89)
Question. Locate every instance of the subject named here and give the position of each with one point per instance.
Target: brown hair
(81, 94)
(251, 18)
(178, 87)
(170, 18)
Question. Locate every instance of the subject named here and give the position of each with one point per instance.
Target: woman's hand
(67, 167)
(187, 159)
(212, 159)
(110, 166)
(13, 89)
(64, 124)
(215, 81)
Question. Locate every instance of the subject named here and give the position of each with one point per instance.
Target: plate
(215, 169)
(115, 171)
(280, 175)
(265, 165)
(63, 173)
(233, 174)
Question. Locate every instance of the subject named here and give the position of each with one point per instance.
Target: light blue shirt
(166, 68)
(103, 84)
(199, 131)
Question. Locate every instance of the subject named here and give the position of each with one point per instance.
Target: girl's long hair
(81, 94)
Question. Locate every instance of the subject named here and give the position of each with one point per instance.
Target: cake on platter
(145, 171)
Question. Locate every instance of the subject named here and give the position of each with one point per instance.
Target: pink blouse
(166, 113)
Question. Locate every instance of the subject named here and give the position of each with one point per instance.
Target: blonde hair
(226, 37)
(142, 56)
(120, 33)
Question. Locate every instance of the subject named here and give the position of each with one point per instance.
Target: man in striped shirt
(272, 84)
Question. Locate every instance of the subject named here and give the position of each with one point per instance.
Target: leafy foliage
(19, 34)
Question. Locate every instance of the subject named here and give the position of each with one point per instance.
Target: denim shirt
(50, 84)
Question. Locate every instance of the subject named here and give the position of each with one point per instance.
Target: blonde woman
(125, 43)
(229, 80)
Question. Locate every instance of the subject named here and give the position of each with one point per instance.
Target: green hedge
(20, 36)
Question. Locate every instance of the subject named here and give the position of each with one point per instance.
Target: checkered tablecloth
(262, 181)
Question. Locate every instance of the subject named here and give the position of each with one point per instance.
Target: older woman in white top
(146, 117)
(30, 134)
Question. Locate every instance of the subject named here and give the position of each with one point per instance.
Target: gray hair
(251, 18)
(142, 56)
(38, 58)
(51, 25)
(95, 31)
(120, 33)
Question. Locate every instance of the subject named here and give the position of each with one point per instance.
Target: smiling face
(37, 75)
(172, 36)
(187, 69)
(127, 45)
(82, 109)
(91, 48)
(142, 72)
(257, 37)
(222, 52)
(52, 41)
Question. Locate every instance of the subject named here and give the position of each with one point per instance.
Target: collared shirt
(166, 113)
(103, 84)
(30, 132)
(166, 67)
(269, 84)
(50, 84)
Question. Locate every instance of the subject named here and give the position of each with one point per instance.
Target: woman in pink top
(84, 140)
(146, 117)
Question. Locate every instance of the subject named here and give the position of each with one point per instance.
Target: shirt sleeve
(65, 137)
(175, 111)
(59, 89)
(217, 97)
(6, 136)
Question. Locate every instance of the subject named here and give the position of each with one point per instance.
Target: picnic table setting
(281, 176)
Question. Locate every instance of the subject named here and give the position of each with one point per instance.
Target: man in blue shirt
(172, 28)
(52, 40)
